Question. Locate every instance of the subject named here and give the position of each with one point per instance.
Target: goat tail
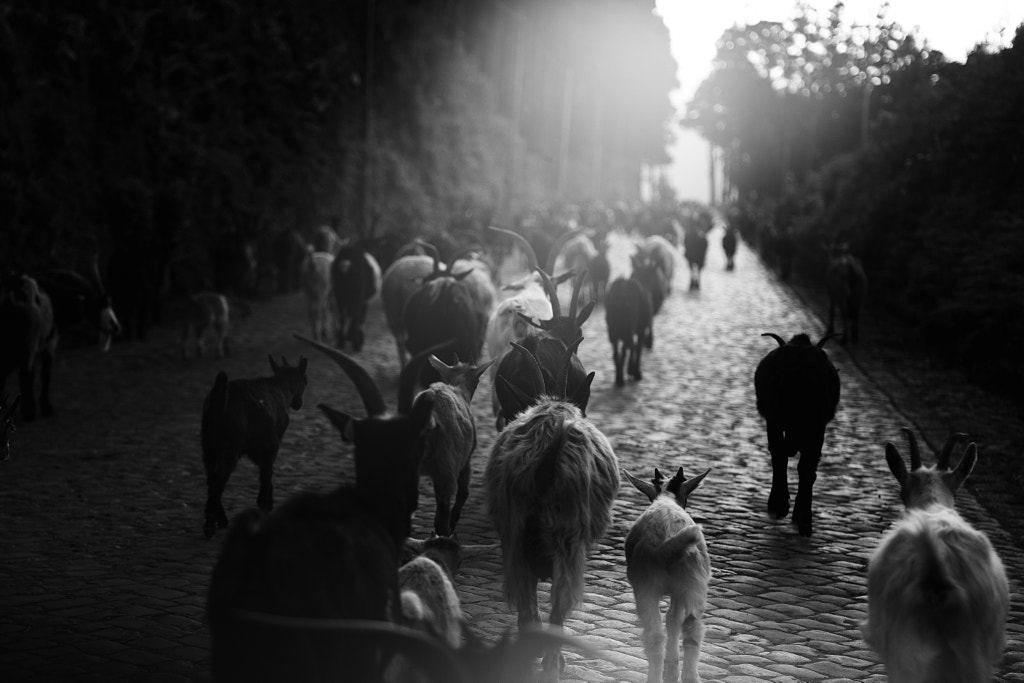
(219, 394)
(936, 586)
(547, 461)
(679, 545)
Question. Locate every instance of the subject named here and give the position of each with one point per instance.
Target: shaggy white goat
(551, 481)
(937, 591)
(666, 555)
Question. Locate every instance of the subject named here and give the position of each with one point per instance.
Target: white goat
(206, 311)
(316, 283)
(666, 555)
(937, 591)
(551, 480)
(429, 600)
(450, 439)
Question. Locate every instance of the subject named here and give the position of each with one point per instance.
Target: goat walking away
(206, 311)
(28, 341)
(666, 555)
(246, 417)
(695, 246)
(450, 439)
(324, 556)
(316, 285)
(401, 280)
(630, 319)
(937, 591)
(846, 283)
(551, 480)
(797, 390)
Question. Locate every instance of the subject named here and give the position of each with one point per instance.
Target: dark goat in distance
(7, 425)
(28, 341)
(402, 278)
(551, 480)
(729, 243)
(846, 283)
(77, 300)
(656, 250)
(630, 319)
(600, 269)
(324, 556)
(695, 247)
(797, 390)
(246, 417)
(355, 279)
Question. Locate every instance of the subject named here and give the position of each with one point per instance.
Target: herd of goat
(322, 587)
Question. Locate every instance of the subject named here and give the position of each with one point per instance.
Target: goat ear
(273, 365)
(644, 487)
(585, 313)
(343, 422)
(896, 464)
(284, 362)
(964, 468)
(581, 397)
(690, 485)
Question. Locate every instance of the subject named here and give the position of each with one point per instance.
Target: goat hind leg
(461, 494)
(778, 499)
(693, 637)
(265, 498)
(810, 454)
(648, 610)
(215, 515)
(619, 358)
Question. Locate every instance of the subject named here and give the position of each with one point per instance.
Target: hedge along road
(104, 567)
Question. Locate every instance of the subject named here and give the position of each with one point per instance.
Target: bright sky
(953, 28)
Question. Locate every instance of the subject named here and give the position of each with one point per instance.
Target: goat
(355, 280)
(580, 253)
(846, 284)
(630, 319)
(450, 439)
(666, 555)
(659, 252)
(600, 269)
(289, 254)
(729, 243)
(206, 311)
(326, 239)
(445, 306)
(695, 247)
(246, 417)
(28, 341)
(551, 480)
(479, 277)
(316, 284)
(401, 280)
(797, 390)
(77, 299)
(7, 411)
(332, 555)
(937, 591)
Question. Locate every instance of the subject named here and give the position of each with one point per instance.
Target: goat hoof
(803, 524)
(778, 507)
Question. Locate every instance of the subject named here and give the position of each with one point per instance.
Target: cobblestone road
(104, 568)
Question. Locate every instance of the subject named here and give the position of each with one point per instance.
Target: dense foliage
(837, 133)
(143, 128)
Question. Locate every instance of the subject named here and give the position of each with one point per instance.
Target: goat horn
(557, 247)
(774, 336)
(830, 335)
(947, 449)
(552, 291)
(915, 452)
(411, 372)
(365, 385)
(577, 286)
(527, 248)
(422, 649)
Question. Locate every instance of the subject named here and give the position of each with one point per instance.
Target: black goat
(324, 556)
(79, 300)
(600, 270)
(355, 279)
(445, 306)
(846, 283)
(246, 417)
(729, 243)
(541, 366)
(695, 246)
(797, 390)
(630, 319)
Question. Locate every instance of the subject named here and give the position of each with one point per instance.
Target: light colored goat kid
(450, 439)
(937, 592)
(666, 555)
(207, 312)
(316, 283)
